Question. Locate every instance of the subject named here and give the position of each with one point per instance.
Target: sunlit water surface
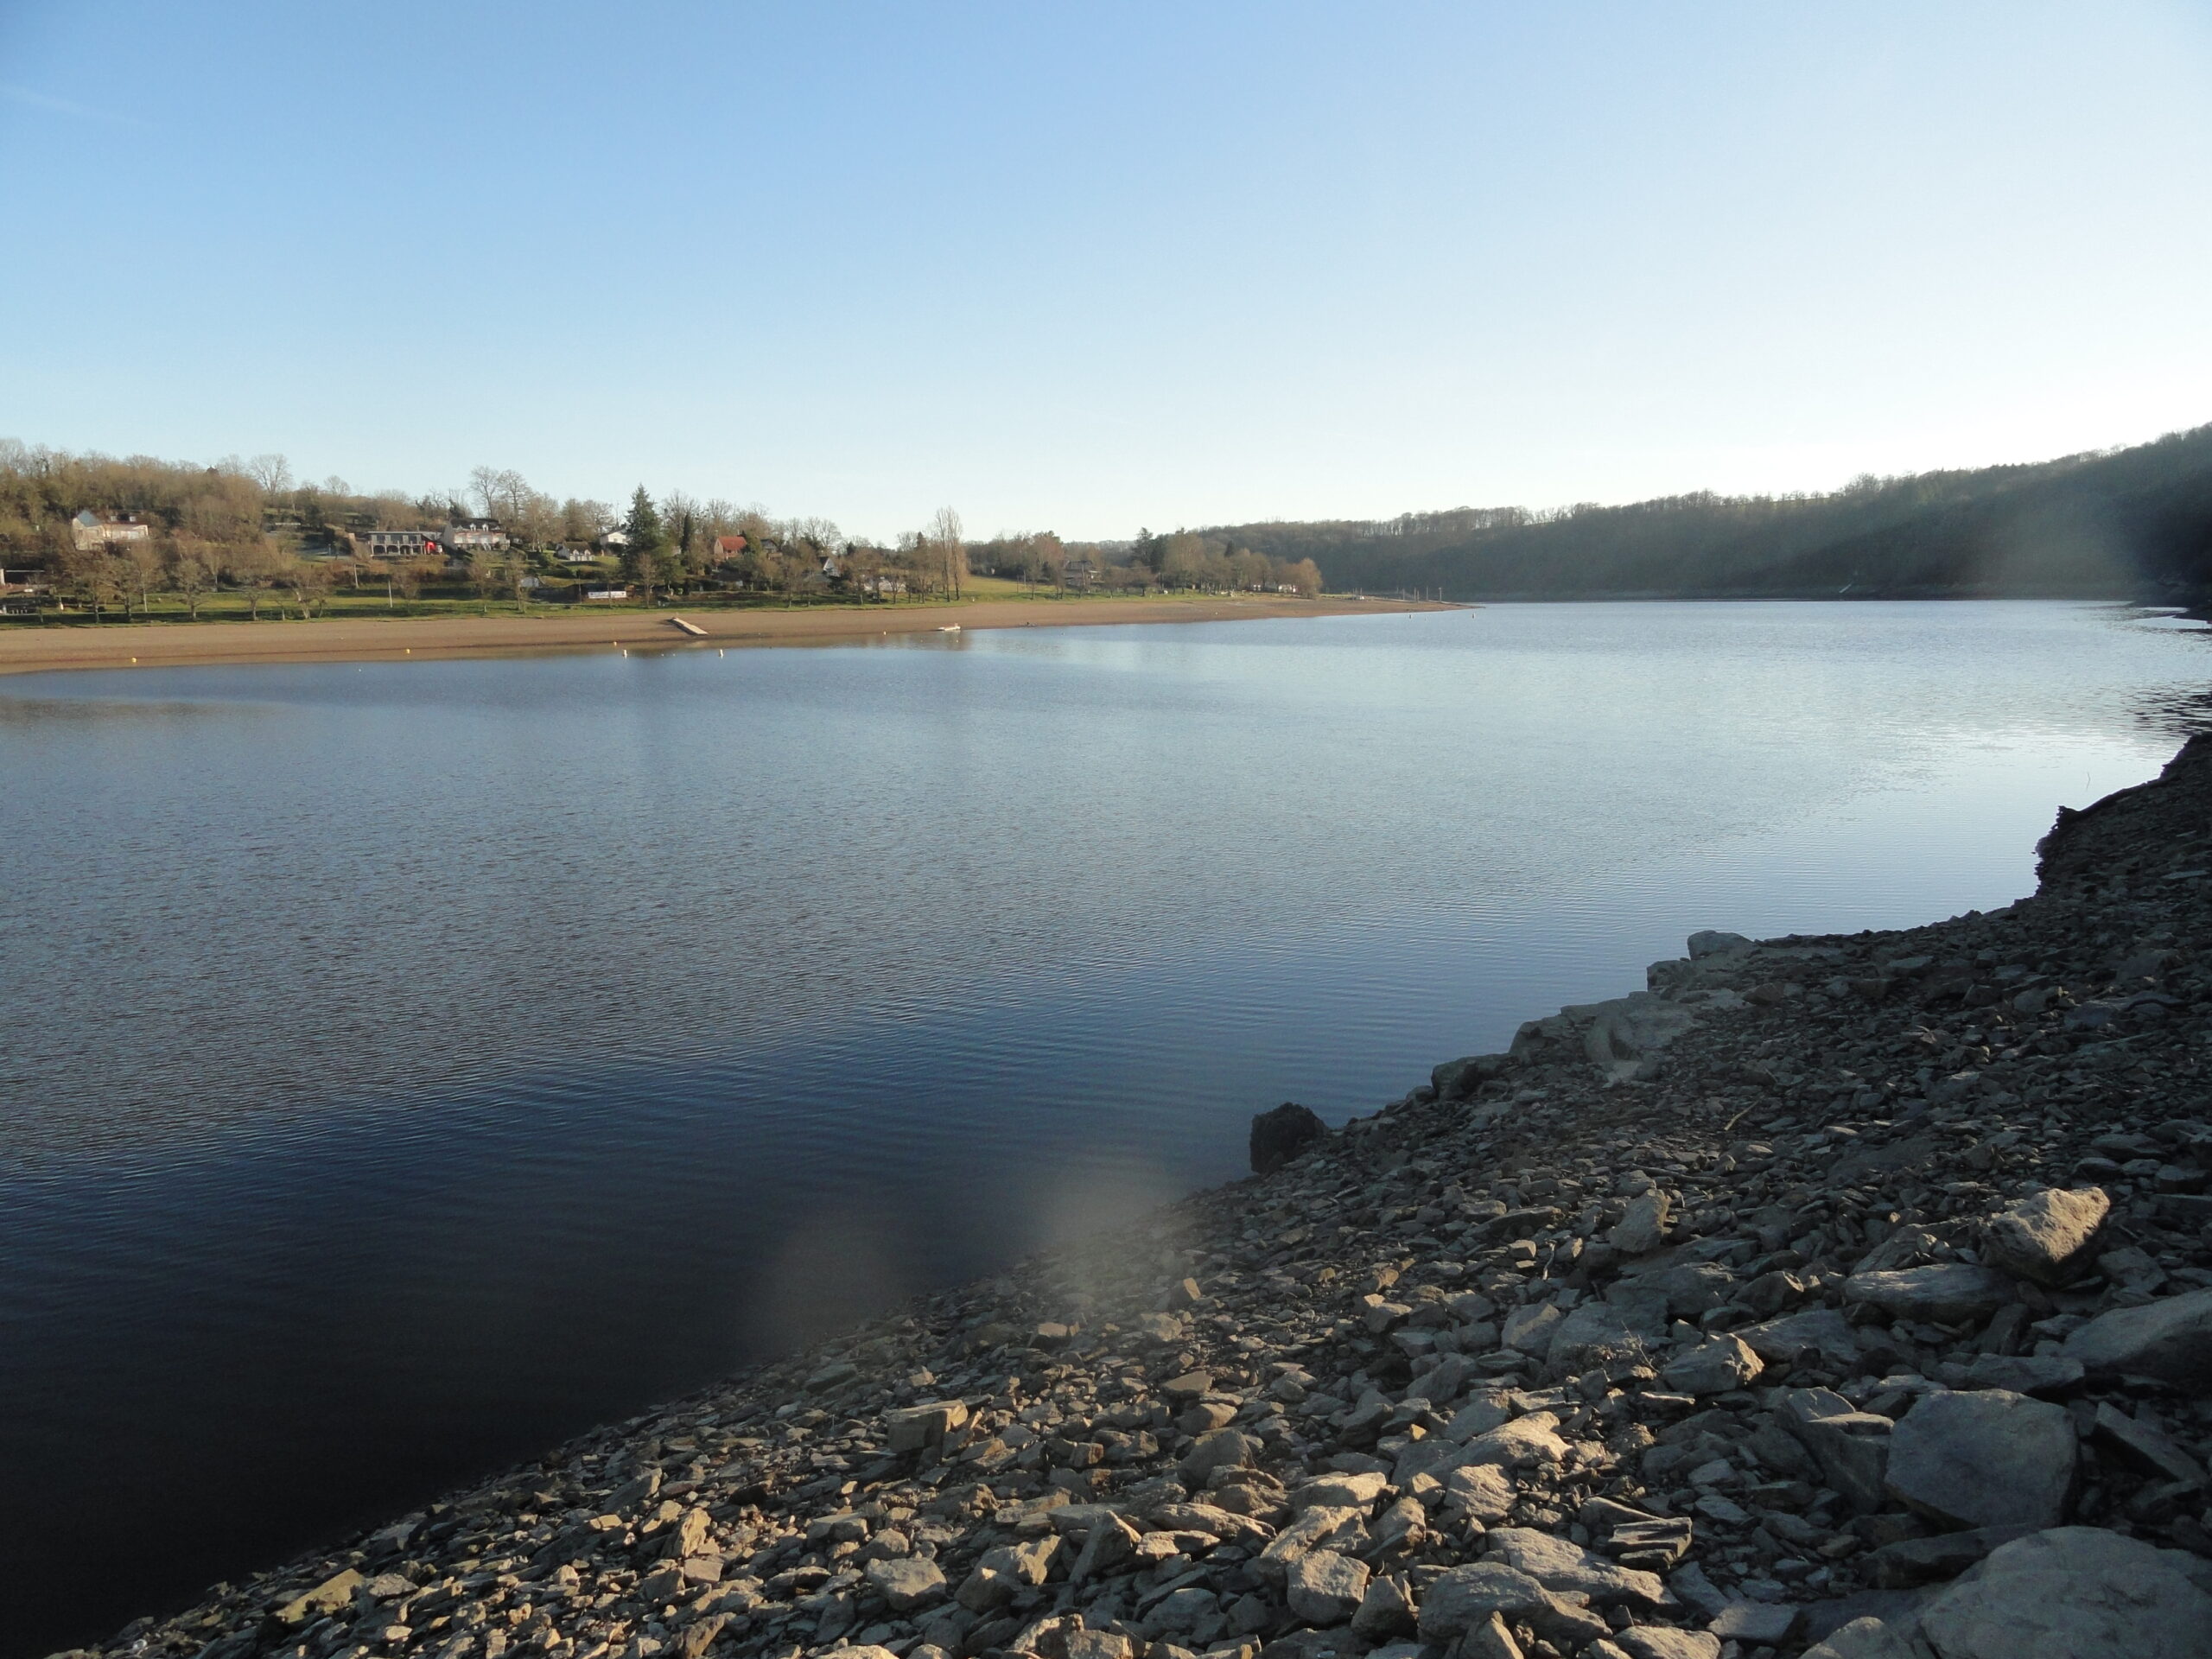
(409, 1065)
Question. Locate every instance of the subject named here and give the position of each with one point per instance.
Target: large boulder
(1341, 1530)
(1985, 1458)
(1625, 1037)
(1223, 1448)
(1688, 1290)
(1821, 1331)
(1952, 1293)
(1457, 1079)
(2048, 1238)
(1867, 1638)
(1323, 1587)
(1559, 1565)
(1280, 1135)
(2170, 1340)
(2075, 1592)
(1597, 1331)
(906, 1583)
(1464, 1597)
(1643, 1228)
(1719, 1364)
(1852, 1447)
(1528, 1439)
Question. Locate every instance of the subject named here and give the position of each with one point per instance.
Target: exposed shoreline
(1692, 1328)
(28, 650)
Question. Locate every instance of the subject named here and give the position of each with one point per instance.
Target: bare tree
(310, 584)
(272, 473)
(257, 566)
(142, 568)
(195, 566)
(951, 551)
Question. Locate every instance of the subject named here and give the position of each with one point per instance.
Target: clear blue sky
(1086, 267)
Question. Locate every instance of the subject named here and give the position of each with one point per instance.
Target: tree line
(2128, 522)
(249, 526)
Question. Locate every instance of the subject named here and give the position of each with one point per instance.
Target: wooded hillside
(2130, 523)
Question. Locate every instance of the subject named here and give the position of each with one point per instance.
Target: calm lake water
(406, 1066)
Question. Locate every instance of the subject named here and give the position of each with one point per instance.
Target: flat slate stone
(2075, 1592)
(1985, 1458)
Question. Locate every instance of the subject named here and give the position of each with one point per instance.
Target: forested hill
(2131, 522)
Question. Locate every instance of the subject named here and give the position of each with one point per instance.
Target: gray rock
(1823, 1331)
(1952, 1292)
(1598, 1331)
(1457, 1079)
(1483, 1490)
(1711, 942)
(1465, 1597)
(2074, 1593)
(906, 1583)
(1559, 1565)
(1866, 1638)
(1985, 1458)
(1110, 1547)
(2049, 1237)
(1625, 1037)
(1318, 1528)
(2170, 1340)
(1529, 1439)
(912, 1428)
(1490, 1639)
(1912, 1561)
(1479, 1416)
(1385, 1611)
(1688, 1290)
(2146, 1445)
(2035, 1374)
(331, 1596)
(1282, 1135)
(1224, 1448)
(1852, 1447)
(1530, 1329)
(1664, 1642)
(1325, 1588)
(1689, 1582)
(1643, 1229)
(1714, 1366)
(1754, 1624)
(1186, 1610)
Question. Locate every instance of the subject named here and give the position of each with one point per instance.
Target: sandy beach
(35, 650)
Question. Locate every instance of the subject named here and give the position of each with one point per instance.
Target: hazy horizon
(1096, 270)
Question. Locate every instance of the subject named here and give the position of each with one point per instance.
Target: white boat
(949, 627)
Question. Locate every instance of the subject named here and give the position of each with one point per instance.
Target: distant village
(93, 535)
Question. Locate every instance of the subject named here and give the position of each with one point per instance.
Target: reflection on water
(408, 1064)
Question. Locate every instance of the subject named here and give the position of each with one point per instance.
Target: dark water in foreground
(407, 1065)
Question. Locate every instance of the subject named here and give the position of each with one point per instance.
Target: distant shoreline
(43, 649)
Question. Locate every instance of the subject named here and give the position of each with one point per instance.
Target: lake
(409, 1065)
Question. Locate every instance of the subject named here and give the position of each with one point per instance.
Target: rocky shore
(1846, 1296)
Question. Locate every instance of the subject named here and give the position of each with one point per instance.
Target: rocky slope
(1850, 1295)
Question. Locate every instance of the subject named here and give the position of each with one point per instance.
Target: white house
(89, 529)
